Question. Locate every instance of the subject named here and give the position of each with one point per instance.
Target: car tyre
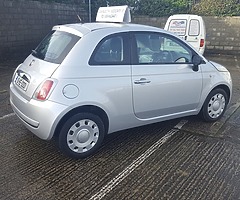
(214, 105)
(81, 135)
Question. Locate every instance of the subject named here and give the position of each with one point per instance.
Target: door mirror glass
(197, 60)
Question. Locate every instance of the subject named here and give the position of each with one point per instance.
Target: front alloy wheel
(81, 135)
(215, 105)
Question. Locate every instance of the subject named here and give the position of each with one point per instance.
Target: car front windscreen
(55, 46)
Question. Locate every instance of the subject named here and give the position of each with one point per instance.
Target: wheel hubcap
(82, 136)
(216, 105)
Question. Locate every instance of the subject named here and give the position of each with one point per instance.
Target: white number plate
(20, 82)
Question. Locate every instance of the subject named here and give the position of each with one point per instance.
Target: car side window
(155, 48)
(109, 51)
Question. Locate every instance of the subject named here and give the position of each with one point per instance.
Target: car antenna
(77, 15)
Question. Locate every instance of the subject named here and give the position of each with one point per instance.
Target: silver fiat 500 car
(84, 81)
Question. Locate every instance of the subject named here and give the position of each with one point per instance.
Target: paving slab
(213, 129)
(200, 162)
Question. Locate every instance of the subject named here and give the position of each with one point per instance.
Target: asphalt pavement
(178, 159)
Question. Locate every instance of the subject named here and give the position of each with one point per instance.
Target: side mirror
(196, 60)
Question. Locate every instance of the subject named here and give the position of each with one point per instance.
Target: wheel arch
(226, 89)
(87, 108)
(221, 86)
(207, 113)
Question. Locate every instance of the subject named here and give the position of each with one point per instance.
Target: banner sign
(114, 14)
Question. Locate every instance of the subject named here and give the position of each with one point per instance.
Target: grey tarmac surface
(199, 161)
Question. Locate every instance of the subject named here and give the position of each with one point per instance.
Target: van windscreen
(55, 46)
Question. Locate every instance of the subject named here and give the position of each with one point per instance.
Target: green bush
(59, 1)
(217, 8)
(158, 8)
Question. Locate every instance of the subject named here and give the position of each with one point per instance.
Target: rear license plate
(20, 82)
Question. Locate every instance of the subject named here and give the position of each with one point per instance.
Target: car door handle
(142, 81)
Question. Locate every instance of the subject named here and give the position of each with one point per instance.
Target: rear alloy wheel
(81, 135)
(214, 105)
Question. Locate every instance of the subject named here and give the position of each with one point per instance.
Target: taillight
(44, 90)
(201, 42)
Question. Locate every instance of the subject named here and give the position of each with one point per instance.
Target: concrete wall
(23, 23)
(223, 33)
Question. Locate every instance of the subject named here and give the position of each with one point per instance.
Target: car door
(163, 80)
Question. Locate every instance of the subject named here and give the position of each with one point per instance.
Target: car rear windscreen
(55, 46)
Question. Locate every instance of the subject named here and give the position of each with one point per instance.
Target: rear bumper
(40, 118)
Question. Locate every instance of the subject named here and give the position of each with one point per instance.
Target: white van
(189, 27)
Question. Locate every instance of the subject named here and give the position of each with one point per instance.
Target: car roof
(81, 29)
